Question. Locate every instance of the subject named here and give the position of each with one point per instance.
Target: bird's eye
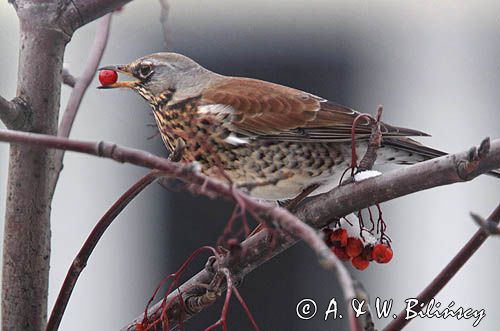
(145, 70)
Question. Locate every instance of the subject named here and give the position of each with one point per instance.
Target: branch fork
(467, 168)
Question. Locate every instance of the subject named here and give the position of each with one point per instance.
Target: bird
(275, 140)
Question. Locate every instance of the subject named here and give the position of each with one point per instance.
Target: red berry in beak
(108, 77)
(340, 236)
(360, 263)
(382, 253)
(354, 247)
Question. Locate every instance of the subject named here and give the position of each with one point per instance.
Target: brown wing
(265, 110)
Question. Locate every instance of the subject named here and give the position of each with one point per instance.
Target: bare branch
(488, 226)
(165, 9)
(344, 200)
(365, 321)
(81, 12)
(68, 78)
(317, 212)
(184, 173)
(13, 114)
(447, 273)
(83, 82)
(80, 87)
(440, 171)
(80, 261)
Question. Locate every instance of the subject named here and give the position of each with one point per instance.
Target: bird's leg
(292, 204)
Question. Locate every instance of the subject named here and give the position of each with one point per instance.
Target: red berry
(340, 252)
(354, 247)
(360, 263)
(382, 253)
(108, 77)
(340, 236)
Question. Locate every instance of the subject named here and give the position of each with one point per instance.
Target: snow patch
(366, 174)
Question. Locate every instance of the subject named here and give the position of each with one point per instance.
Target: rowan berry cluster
(360, 251)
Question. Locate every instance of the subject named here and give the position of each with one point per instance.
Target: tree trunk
(26, 251)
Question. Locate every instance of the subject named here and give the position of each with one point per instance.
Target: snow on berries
(107, 77)
(351, 241)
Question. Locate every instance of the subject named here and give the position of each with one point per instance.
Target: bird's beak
(124, 69)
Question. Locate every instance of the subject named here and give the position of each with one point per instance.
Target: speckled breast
(288, 167)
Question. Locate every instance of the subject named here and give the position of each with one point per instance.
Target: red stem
(447, 273)
(83, 255)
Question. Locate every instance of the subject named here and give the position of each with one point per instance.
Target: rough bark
(45, 28)
(26, 250)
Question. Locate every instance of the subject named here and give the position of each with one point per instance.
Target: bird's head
(157, 73)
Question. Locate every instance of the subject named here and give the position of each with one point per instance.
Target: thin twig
(447, 273)
(165, 10)
(354, 289)
(81, 12)
(13, 113)
(83, 255)
(370, 156)
(489, 227)
(365, 321)
(83, 82)
(80, 87)
(68, 78)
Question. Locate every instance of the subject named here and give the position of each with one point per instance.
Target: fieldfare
(247, 131)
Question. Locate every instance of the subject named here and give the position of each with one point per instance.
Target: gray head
(158, 73)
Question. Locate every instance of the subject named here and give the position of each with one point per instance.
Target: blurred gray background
(433, 65)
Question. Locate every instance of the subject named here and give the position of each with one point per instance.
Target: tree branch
(165, 10)
(83, 82)
(81, 85)
(359, 195)
(317, 212)
(81, 12)
(68, 78)
(445, 170)
(201, 183)
(488, 226)
(13, 114)
(80, 261)
(447, 273)
(45, 29)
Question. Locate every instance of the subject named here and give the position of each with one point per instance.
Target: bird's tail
(427, 153)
